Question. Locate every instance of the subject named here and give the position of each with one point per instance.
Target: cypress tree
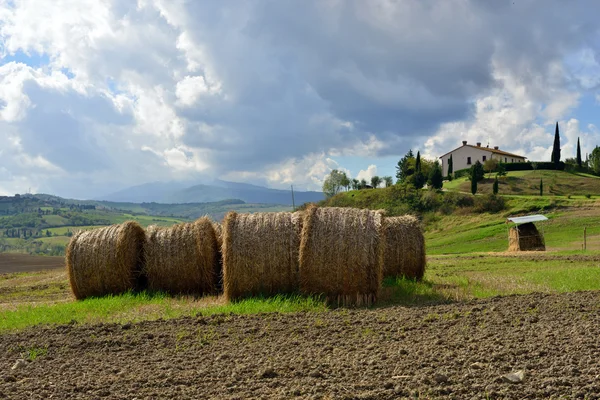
(541, 187)
(473, 182)
(418, 162)
(450, 168)
(578, 154)
(556, 148)
(495, 187)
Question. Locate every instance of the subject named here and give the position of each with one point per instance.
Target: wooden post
(585, 238)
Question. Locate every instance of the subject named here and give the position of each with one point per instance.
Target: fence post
(585, 238)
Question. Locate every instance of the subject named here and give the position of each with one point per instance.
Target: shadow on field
(412, 293)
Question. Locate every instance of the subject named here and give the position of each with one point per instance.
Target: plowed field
(461, 350)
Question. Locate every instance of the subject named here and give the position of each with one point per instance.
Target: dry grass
(525, 237)
(260, 253)
(341, 254)
(106, 260)
(182, 258)
(219, 233)
(405, 248)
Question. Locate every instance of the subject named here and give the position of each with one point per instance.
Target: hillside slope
(557, 183)
(459, 223)
(168, 193)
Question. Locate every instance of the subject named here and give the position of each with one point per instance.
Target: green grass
(64, 229)
(55, 220)
(448, 278)
(132, 307)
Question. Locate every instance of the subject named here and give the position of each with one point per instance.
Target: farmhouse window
(468, 160)
(505, 159)
(512, 160)
(483, 158)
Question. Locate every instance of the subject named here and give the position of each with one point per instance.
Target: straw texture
(525, 237)
(182, 258)
(106, 260)
(260, 253)
(405, 248)
(341, 254)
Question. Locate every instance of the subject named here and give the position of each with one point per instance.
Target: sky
(97, 96)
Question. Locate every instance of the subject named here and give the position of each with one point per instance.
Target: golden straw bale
(260, 253)
(525, 237)
(219, 233)
(182, 258)
(341, 254)
(106, 260)
(405, 248)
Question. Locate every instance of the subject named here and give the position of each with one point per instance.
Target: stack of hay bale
(260, 253)
(105, 261)
(183, 258)
(339, 253)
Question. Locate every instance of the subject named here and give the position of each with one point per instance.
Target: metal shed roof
(527, 218)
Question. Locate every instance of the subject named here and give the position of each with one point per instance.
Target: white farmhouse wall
(460, 158)
(461, 155)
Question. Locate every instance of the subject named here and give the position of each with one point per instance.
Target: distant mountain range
(177, 193)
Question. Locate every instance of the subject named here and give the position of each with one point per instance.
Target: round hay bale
(341, 254)
(260, 253)
(219, 233)
(182, 258)
(105, 261)
(405, 248)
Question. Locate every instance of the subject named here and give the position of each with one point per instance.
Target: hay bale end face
(525, 237)
(260, 253)
(106, 260)
(405, 248)
(182, 259)
(341, 254)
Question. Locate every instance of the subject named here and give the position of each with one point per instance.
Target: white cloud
(130, 92)
(367, 174)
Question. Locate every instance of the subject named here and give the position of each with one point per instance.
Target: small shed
(525, 236)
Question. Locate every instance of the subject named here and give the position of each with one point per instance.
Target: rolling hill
(557, 183)
(176, 193)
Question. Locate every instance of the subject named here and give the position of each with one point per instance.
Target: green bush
(489, 203)
(455, 199)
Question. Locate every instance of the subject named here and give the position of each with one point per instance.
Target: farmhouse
(467, 155)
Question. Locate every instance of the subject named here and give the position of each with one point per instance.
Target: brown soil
(449, 351)
(11, 262)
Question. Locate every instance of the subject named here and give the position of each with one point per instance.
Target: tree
(541, 187)
(579, 162)
(594, 160)
(355, 184)
(477, 171)
(473, 186)
(495, 187)
(405, 167)
(48, 233)
(490, 165)
(388, 180)
(436, 178)
(333, 183)
(556, 148)
(362, 184)
(418, 180)
(375, 181)
(450, 168)
(345, 181)
(501, 169)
